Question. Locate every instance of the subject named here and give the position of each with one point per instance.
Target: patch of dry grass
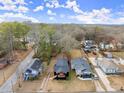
(72, 85)
(6, 72)
(75, 53)
(117, 81)
(118, 54)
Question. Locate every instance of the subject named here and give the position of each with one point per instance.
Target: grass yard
(71, 85)
(30, 86)
(118, 54)
(6, 72)
(117, 81)
(27, 86)
(77, 53)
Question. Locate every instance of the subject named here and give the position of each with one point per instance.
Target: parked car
(87, 49)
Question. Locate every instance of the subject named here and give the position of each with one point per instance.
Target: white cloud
(22, 9)
(1, 20)
(12, 5)
(49, 12)
(62, 15)
(22, 2)
(102, 16)
(6, 2)
(16, 17)
(49, 5)
(30, 2)
(14, 8)
(8, 7)
(12, 2)
(51, 18)
(73, 6)
(53, 4)
(38, 8)
(69, 5)
(119, 20)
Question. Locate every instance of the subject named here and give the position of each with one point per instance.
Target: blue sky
(63, 11)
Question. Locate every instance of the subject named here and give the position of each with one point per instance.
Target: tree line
(13, 36)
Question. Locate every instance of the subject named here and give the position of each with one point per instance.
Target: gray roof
(36, 65)
(61, 66)
(80, 64)
(107, 63)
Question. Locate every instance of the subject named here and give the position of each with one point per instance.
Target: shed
(81, 67)
(61, 68)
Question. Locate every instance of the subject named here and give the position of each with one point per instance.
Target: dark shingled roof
(61, 66)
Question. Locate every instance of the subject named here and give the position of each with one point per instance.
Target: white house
(108, 67)
(104, 45)
(81, 67)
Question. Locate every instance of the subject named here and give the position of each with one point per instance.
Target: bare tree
(68, 43)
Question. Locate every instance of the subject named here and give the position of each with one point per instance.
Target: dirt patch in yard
(6, 72)
(117, 81)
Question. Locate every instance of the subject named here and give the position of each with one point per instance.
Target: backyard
(71, 85)
(117, 81)
(6, 72)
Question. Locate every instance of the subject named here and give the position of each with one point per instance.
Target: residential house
(81, 67)
(34, 70)
(61, 68)
(90, 46)
(107, 66)
(106, 45)
(88, 42)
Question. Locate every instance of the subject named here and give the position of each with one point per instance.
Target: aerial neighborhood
(60, 58)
